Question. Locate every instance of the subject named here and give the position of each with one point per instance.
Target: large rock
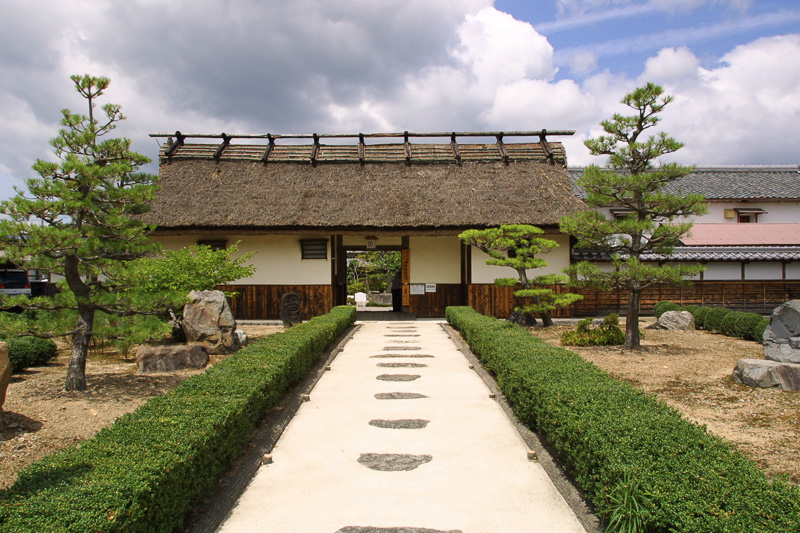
(676, 320)
(5, 376)
(767, 374)
(291, 314)
(171, 358)
(208, 319)
(782, 336)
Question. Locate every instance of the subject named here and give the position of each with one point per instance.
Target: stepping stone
(398, 377)
(399, 396)
(402, 365)
(385, 355)
(401, 335)
(393, 462)
(406, 423)
(370, 529)
(390, 348)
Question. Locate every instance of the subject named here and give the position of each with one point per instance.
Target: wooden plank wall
(751, 296)
(433, 304)
(263, 302)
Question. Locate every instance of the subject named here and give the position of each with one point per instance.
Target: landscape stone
(393, 462)
(390, 348)
(171, 358)
(208, 320)
(398, 377)
(408, 423)
(675, 320)
(402, 365)
(767, 374)
(370, 529)
(782, 336)
(5, 376)
(389, 355)
(241, 336)
(399, 396)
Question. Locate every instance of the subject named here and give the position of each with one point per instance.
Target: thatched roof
(361, 187)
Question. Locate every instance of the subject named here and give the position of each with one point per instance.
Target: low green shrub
(145, 471)
(714, 318)
(728, 324)
(606, 334)
(691, 308)
(662, 307)
(743, 325)
(757, 333)
(608, 432)
(700, 316)
(24, 352)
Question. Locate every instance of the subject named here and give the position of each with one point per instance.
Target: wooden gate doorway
(347, 260)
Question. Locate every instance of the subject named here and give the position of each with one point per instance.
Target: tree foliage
(520, 247)
(372, 270)
(636, 182)
(77, 218)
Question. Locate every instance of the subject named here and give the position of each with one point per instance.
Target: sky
(375, 66)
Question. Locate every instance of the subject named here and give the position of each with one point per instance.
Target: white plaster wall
(277, 258)
(557, 260)
(777, 212)
(435, 259)
(793, 270)
(762, 271)
(723, 271)
(360, 240)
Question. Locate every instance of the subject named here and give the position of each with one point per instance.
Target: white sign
(417, 288)
(430, 287)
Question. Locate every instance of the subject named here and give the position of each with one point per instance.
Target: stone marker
(782, 336)
(767, 374)
(208, 320)
(674, 320)
(171, 358)
(290, 309)
(5, 376)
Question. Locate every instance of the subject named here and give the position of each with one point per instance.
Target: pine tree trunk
(76, 369)
(632, 341)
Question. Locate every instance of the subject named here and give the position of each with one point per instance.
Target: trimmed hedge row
(608, 432)
(24, 352)
(145, 471)
(748, 326)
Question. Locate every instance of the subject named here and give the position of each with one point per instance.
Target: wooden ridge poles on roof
(180, 141)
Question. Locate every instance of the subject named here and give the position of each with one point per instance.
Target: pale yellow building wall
(557, 260)
(360, 240)
(276, 258)
(435, 259)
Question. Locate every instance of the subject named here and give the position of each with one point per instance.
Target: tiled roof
(708, 253)
(734, 183)
(733, 234)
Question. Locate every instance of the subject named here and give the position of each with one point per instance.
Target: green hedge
(608, 432)
(748, 326)
(145, 471)
(24, 352)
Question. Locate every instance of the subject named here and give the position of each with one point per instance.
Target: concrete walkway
(401, 435)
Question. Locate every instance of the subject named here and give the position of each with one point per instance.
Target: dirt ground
(41, 417)
(691, 371)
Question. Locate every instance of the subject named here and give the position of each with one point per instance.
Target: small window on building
(749, 215)
(214, 244)
(314, 248)
(621, 213)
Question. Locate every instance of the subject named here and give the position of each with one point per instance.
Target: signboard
(430, 287)
(417, 288)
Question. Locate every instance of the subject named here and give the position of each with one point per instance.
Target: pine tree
(520, 247)
(76, 218)
(654, 221)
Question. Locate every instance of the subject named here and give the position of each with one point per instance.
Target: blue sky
(334, 66)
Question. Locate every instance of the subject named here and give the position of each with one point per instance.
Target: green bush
(662, 307)
(728, 324)
(691, 308)
(714, 318)
(606, 334)
(700, 316)
(145, 471)
(757, 333)
(743, 325)
(24, 352)
(608, 432)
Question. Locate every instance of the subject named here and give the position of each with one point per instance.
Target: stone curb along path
(401, 436)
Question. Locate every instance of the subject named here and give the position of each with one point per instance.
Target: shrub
(606, 334)
(728, 324)
(609, 433)
(145, 471)
(662, 307)
(744, 325)
(700, 316)
(757, 333)
(24, 352)
(691, 308)
(714, 318)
